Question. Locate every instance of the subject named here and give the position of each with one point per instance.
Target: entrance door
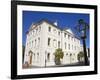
(30, 57)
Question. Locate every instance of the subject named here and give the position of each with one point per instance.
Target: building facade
(43, 38)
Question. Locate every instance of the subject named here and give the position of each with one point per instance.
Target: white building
(43, 38)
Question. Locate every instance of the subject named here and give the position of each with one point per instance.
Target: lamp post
(82, 28)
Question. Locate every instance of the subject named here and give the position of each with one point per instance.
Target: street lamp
(82, 28)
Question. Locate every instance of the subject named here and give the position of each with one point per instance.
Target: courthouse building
(43, 38)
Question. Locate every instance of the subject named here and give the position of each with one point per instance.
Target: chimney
(55, 23)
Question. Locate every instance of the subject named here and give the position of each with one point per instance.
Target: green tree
(58, 55)
(80, 56)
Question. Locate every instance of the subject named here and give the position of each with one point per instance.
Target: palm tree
(58, 55)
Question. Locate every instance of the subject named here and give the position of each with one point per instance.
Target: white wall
(5, 29)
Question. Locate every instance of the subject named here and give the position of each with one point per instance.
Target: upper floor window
(33, 32)
(69, 46)
(55, 43)
(32, 42)
(64, 34)
(38, 41)
(49, 41)
(58, 44)
(68, 36)
(54, 30)
(49, 29)
(58, 32)
(72, 47)
(75, 47)
(65, 45)
(39, 28)
(72, 38)
(36, 30)
(35, 42)
(66, 54)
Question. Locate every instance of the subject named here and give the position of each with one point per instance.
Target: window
(33, 32)
(37, 56)
(65, 45)
(35, 42)
(38, 41)
(55, 43)
(69, 46)
(54, 30)
(68, 36)
(39, 28)
(58, 32)
(36, 30)
(72, 47)
(48, 56)
(65, 35)
(48, 41)
(75, 47)
(32, 43)
(58, 44)
(49, 29)
(72, 38)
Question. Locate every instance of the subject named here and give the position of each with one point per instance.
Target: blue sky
(64, 20)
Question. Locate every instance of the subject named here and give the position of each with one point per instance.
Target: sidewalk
(62, 65)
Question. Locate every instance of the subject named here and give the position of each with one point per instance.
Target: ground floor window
(48, 56)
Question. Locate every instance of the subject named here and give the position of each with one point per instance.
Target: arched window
(30, 56)
(70, 54)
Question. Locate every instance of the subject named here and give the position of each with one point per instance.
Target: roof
(51, 23)
(44, 20)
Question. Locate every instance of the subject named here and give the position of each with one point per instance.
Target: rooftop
(68, 30)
